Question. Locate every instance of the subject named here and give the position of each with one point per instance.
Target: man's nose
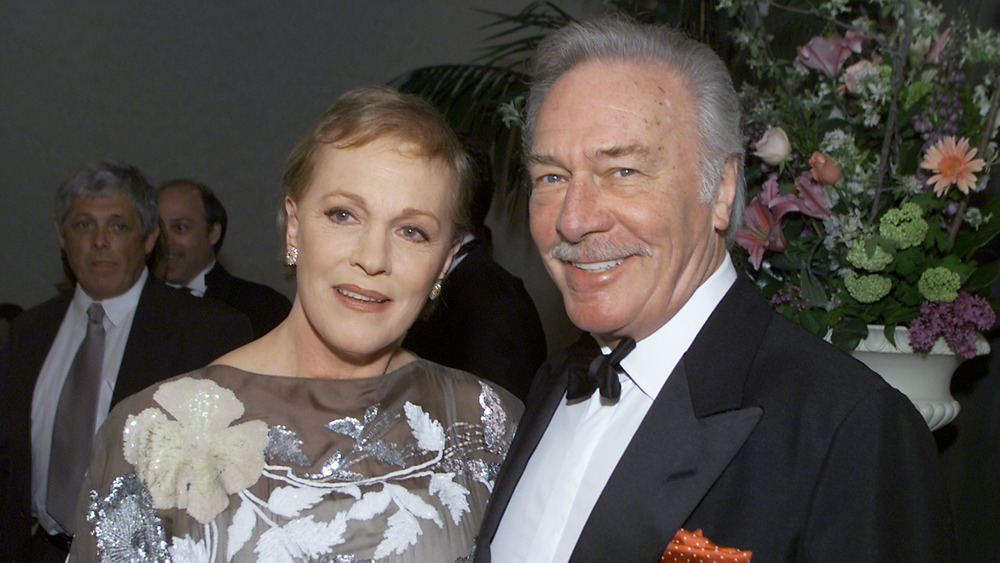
(582, 210)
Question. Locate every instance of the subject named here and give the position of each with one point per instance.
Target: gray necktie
(73, 430)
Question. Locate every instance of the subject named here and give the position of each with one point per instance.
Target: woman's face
(374, 232)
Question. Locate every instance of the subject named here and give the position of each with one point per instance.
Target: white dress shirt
(584, 441)
(197, 286)
(118, 315)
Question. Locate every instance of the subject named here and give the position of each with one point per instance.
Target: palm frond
(472, 98)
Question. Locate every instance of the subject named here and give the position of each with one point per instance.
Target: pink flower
(824, 169)
(809, 198)
(829, 55)
(761, 231)
(770, 190)
(952, 162)
(854, 73)
(934, 53)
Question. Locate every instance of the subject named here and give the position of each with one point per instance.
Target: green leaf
(813, 290)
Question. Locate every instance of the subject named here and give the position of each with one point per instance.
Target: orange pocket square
(694, 547)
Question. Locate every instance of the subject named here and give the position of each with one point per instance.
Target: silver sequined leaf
(126, 527)
(284, 444)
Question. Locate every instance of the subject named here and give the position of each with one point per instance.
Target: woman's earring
(435, 291)
(292, 256)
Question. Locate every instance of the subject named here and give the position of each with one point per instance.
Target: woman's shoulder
(468, 388)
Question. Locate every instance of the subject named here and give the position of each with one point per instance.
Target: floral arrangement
(871, 149)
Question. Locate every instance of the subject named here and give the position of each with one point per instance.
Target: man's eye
(625, 172)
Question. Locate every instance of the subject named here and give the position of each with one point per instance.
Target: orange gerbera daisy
(953, 165)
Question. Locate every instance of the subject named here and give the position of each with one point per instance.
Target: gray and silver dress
(226, 465)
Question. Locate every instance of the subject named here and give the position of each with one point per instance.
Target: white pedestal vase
(923, 377)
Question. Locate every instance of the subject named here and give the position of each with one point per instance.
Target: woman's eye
(549, 178)
(413, 233)
(339, 215)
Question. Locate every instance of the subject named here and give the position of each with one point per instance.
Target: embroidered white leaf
(290, 501)
(353, 490)
(428, 432)
(186, 550)
(370, 504)
(413, 504)
(452, 494)
(241, 528)
(401, 533)
(301, 539)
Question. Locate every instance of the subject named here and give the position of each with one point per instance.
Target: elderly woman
(324, 440)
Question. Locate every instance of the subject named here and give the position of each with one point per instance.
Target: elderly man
(714, 412)
(194, 223)
(70, 359)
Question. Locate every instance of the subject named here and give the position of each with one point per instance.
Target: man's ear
(150, 241)
(215, 231)
(725, 195)
(59, 235)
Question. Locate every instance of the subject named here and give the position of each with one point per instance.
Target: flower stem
(984, 143)
(895, 85)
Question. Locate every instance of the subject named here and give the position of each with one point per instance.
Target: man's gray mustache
(596, 251)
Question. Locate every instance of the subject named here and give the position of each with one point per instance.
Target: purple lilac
(791, 295)
(958, 322)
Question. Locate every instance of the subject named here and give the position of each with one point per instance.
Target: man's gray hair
(706, 76)
(104, 177)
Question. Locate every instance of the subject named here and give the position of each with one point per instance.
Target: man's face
(102, 238)
(190, 239)
(615, 206)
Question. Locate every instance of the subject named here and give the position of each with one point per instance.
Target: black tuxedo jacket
(264, 306)
(485, 323)
(769, 440)
(172, 333)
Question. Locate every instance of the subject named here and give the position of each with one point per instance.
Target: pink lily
(829, 55)
(761, 231)
(809, 199)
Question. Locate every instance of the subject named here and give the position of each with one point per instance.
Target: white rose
(773, 148)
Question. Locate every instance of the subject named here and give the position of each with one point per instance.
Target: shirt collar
(197, 286)
(115, 308)
(655, 356)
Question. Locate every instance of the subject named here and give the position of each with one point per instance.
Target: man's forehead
(114, 203)
(184, 197)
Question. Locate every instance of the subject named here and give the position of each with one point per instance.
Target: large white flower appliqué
(196, 460)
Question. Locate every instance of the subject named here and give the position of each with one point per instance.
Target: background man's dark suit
(264, 306)
(485, 323)
(715, 452)
(172, 333)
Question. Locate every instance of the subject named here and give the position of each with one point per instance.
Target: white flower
(196, 460)
(773, 147)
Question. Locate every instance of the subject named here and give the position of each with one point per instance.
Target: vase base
(937, 413)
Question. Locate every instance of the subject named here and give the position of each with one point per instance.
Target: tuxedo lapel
(694, 428)
(151, 341)
(217, 282)
(672, 460)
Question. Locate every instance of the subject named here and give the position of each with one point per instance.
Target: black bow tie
(598, 373)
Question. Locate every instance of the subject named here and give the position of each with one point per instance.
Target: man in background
(72, 358)
(194, 223)
(484, 322)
